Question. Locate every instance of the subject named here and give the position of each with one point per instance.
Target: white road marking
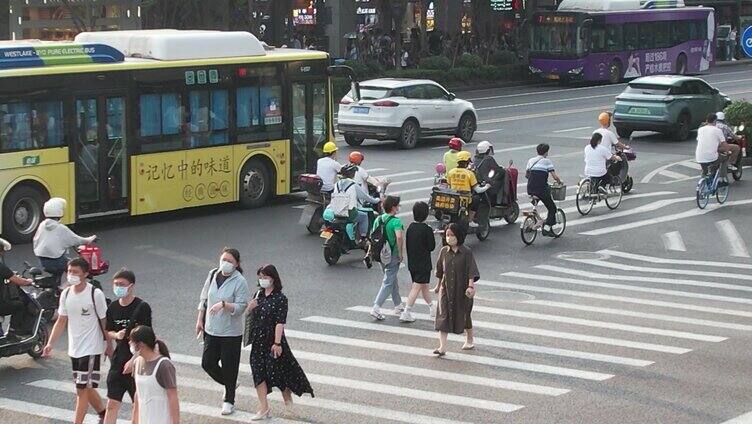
(650, 207)
(630, 288)
(473, 359)
(657, 260)
(375, 170)
(673, 241)
(599, 324)
(672, 174)
(665, 218)
(683, 272)
(411, 190)
(653, 173)
(734, 241)
(46, 411)
(741, 419)
(542, 115)
(691, 165)
(544, 102)
(572, 129)
(417, 180)
(489, 131)
(480, 341)
(628, 313)
(401, 174)
(590, 295)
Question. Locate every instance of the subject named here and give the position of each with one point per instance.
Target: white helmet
(5, 245)
(484, 147)
(55, 207)
(720, 116)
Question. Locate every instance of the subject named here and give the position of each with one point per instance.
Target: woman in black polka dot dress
(272, 361)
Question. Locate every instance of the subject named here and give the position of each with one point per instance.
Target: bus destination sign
(555, 19)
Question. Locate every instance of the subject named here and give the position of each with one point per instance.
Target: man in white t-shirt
(327, 167)
(83, 309)
(710, 141)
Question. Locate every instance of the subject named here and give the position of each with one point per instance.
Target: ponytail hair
(595, 140)
(144, 334)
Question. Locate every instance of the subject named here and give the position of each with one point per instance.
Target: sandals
(468, 346)
(378, 316)
(439, 353)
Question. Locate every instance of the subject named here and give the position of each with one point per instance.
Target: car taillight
(386, 103)
(345, 101)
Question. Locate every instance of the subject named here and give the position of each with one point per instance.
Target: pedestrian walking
(156, 382)
(123, 316)
(457, 273)
(272, 361)
(393, 229)
(220, 319)
(83, 310)
(420, 242)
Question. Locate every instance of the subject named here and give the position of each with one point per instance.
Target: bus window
(630, 37)
(320, 121)
(662, 33)
(207, 122)
(161, 115)
(31, 125)
(613, 38)
(598, 38)
(259, 106)
(698, 30)
(647, 35)
(679, 32)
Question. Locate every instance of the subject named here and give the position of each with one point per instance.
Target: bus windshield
(557, 40)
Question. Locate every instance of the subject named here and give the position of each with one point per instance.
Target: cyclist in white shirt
(327, 167)
(710, 141)
(596, 157)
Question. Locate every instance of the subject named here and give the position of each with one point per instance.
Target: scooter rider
(53, 238)
(361, 175)
(358, 198)
(729, 147)
(450, 157)
(484, 163)
(538, 169)
(327, 167)
(463, 180)
(9, 304)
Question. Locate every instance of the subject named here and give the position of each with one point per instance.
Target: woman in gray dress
(457, 273)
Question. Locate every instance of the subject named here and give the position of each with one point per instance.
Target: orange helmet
(604, 119)
(356, 158)
(456, 143)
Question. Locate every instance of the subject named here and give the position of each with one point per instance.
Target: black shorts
(118, 384)
(421, 277)
(86, 371)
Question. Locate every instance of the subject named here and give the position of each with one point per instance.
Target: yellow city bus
(139, 122)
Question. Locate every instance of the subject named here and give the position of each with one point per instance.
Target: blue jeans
(389, 284)
(362, 221)
(55, 266)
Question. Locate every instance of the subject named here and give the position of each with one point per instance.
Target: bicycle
(587, 196)
(717, 186)
(533, 223)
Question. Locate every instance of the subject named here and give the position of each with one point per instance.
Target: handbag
(248, 325)
(527, 171)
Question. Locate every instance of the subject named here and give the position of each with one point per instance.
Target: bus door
(100, 155)
(309, 111)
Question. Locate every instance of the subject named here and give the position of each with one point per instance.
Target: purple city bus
(614, 40)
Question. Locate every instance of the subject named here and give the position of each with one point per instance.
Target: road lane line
(625, 267)
(572, 129)
(634, 278)
(638, 301)
(649, 207)
(411, 190)
(629, 288)
(645, 315)
(480, 341)
(401, 174)
(417, 180)
(374, 170)
(657, 260)
(673, 241)
(653, 173)
(666, 218)
(489, 131)
(46, 411)
(557, 334)
(672, 174)
(734, 241)
(543, 115)
(473, 359)
(691, 165)
(544, 102)
(599, 324)
(741, 419)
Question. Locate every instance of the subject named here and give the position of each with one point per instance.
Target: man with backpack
(348, 197)
(387, 247)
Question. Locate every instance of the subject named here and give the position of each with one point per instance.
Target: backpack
(340, 202)
(380, 250)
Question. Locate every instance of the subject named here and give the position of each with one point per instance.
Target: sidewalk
(744, 61)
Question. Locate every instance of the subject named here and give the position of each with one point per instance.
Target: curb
(739, 62)
(489, 86)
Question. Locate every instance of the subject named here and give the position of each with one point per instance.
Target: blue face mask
(120, 291)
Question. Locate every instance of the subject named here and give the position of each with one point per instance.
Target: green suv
(670, 104)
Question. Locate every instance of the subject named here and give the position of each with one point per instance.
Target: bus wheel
(22, 213)
(681, 64)
(255, 184)
(614, 72)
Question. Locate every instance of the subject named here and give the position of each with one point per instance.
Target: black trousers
(16, 309)
(548, 201)
(227, 351)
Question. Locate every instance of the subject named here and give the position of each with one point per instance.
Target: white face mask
(226, 267)
(73, 279)
(133, 349)
(264, 283)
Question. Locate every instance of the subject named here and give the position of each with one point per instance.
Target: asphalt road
(638, 315)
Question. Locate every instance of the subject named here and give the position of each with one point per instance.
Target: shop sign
(501, 5)
(365, 11)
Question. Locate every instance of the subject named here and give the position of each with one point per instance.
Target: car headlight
(534, 70)
(575, 71)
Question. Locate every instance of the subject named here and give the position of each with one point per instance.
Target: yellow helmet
(463, 156)
(604, 118)
(330, 147)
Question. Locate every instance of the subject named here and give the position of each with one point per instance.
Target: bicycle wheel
(615, 194)
(584, 199)
(528, 232)
(561, 223)
(703, 193)
(722, 193)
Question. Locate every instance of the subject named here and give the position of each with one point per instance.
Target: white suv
(404, 110)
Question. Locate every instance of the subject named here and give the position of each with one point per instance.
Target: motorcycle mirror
(34, 271)
(491, 173)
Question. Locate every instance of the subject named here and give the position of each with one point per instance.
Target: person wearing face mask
(272, 361)
(393, 229)
(156, 399)
(457, 273)
(122, 317)
(83, 309)
(220, 320)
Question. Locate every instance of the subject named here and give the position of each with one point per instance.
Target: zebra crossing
(590, 317)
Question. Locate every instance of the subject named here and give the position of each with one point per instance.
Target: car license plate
(326, 235)
(639, 111)
(553, 77)
(361, 110)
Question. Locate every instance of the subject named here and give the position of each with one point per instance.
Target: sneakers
(548, 232)
(432, 310)
(377, 315)
(473, 224)
(399, 309)
(227, 408)
(367, 261)
(406, 316)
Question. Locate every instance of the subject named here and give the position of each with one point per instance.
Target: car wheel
(624, 132)
(353, 141)
(681, 64)
(681, 132)
(466, 127)
(614, 72)
(409, 134)
(22, 213)
(255, 184)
